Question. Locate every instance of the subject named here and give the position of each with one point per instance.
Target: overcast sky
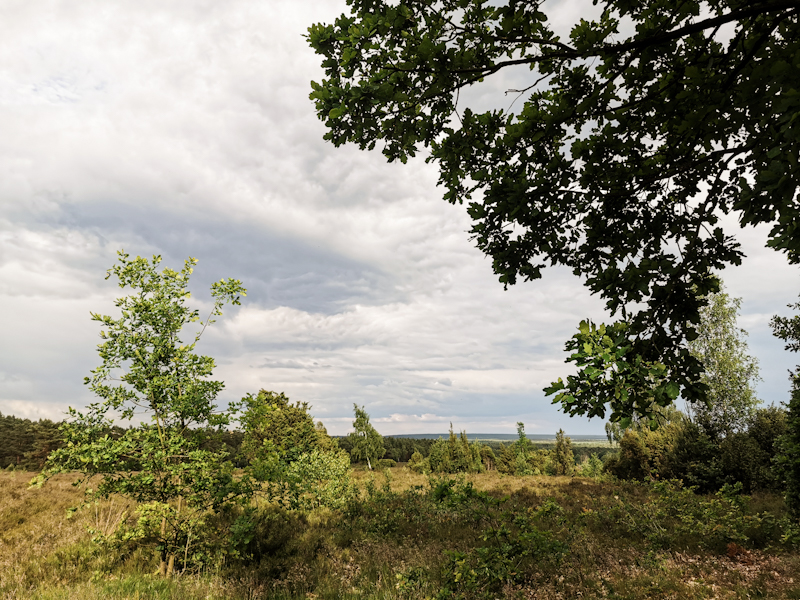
(184, 129)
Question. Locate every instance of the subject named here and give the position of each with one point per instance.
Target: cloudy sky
(184, 129)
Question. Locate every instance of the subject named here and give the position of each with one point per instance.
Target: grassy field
(408, 536)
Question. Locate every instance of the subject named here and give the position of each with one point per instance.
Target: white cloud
(185, 129)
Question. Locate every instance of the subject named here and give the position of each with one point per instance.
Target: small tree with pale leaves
(367, 442)
(154, 381)
(730, 372)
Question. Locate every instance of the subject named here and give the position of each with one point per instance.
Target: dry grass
(392, 546)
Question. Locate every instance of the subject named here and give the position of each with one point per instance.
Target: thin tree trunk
(171, 563)
(162, 569)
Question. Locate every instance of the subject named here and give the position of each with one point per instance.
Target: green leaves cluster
(730, 372)
(154, 380)
(367, 443)
(618, 163)
(788, 330)
(610, 371)
(454, 455)
(297, 464)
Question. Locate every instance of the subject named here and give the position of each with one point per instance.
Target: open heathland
(410, 535)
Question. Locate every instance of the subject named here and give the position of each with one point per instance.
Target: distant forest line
(25, 444)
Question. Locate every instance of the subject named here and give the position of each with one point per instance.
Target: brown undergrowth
(411, 536)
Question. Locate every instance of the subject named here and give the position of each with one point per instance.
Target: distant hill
(504, 437)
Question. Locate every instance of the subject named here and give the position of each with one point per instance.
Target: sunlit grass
(393, 545)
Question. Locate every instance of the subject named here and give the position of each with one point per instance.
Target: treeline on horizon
(696, 451)
(25, 444)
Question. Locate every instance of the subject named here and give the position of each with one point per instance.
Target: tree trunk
(162, 569)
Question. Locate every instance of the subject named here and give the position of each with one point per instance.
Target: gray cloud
(185, 129)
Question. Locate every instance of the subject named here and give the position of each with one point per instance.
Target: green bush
(418, 464)
(563, 459)
(511, 548)
(455, 455)
(704, 458)
(487, 457)
(591, 467)
(318, 478)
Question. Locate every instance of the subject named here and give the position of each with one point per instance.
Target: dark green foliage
(788, 329)
(271, 423)
(506, 459)
(17, 439)
(398, 449)
(687, 451)
(26, 444)
(487, 457)
(523, 457)
(258, 532)
(228, 442)
(644, 453)
(695, 459)
(789, 457)
(455, 455)
(623, 153)
(510, 552)
(563, 459)
(675, 515)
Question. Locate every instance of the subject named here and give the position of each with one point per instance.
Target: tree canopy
(148, 374)
(634, 137)
(366, 442)
(788, 330)
(730, 372)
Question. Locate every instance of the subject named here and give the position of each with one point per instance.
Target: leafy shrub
(318, 478)
(418, 464)
(746, 457)
(510, 547)
(676, 516)
(271, 423)
(523, 458)
(591, 467)
(261, 531)
(487, 457)
(506, 461)
(385, 463)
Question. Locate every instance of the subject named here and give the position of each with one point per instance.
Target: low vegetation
(258, 501)
(409, 535)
